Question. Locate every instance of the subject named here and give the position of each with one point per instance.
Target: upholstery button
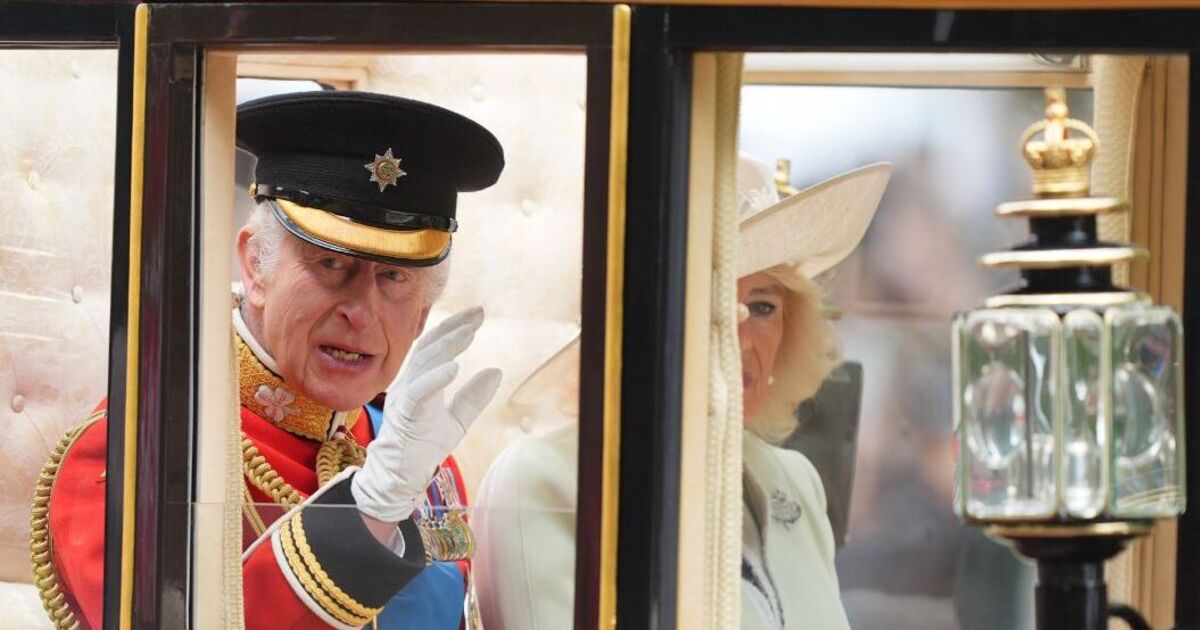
(18, 403)
(77, 293)
(526, 424)
(34, 180)
(478, 93)
(527, 207)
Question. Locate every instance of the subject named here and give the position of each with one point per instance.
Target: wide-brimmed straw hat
(813, 229)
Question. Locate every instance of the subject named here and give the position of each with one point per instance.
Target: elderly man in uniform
(341, 262)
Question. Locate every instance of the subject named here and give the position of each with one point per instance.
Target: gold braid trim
(310, 585)
(41, 553)
(310, 559)
(262, 476)
(336, 454)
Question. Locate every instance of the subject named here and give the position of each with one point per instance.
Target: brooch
(784, 510)
(385, 170)
(277, 403)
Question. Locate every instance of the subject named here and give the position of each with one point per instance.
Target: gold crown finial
(783, 176)
(1060, 162)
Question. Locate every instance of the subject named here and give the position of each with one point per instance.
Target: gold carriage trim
(1119, 529)
(41, 552)
(316, 582)
(1099, 299)
(1060, 258)
(1062, 207)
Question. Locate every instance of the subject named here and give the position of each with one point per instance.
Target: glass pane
(1084, 434)
(1010, 383)
(504, 503)
(57, 146)
(1147, 412)
(904, 561)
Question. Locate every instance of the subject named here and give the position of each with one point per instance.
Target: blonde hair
(807, 354)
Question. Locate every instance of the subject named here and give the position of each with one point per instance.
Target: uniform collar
(264, 392)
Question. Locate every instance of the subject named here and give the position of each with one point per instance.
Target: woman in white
(525, 512)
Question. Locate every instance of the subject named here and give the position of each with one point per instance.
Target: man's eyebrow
(312, 251)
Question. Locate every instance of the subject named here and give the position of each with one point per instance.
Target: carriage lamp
(1068, 403)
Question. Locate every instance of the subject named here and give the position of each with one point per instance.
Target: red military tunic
(332, 571)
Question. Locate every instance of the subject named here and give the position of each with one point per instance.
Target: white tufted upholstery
(57, 131)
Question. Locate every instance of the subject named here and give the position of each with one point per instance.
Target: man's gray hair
(266, 240)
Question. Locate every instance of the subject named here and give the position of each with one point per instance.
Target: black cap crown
(367, 174)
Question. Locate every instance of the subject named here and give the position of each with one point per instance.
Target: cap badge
(385, 170)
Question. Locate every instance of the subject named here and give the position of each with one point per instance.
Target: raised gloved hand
(419, 430)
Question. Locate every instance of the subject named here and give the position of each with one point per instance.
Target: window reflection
(906, 561)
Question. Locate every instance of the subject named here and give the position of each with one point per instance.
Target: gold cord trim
(310, 585)
(335, 455)
(262, 476)
(41, 552)
(445, 539)
(310, 560)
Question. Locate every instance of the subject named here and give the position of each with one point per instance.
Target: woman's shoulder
(791, 465)
(534, 470)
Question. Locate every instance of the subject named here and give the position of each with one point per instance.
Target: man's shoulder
(84, 441)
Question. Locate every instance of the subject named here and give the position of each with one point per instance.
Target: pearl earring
(771, 380)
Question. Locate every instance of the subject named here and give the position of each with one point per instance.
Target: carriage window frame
(96, 25)
(181, 38)
(678, 33)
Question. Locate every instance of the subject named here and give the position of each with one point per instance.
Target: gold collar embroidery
(262, 391)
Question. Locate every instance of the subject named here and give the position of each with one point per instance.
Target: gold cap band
(416, 245)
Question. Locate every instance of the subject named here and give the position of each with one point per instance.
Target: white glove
(419, 430)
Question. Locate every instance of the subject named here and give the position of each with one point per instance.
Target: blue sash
(431, 601)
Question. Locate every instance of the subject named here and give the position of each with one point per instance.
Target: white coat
(785, 499)
(524, 518)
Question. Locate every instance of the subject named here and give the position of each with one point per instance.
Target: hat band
(359, 212)
(394, 247)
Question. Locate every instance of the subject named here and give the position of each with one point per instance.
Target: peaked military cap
(365, 174)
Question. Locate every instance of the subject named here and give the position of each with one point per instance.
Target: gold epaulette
(44, 577)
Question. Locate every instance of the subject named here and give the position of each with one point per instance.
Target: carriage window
(903, 555)
(889, 167)
(57, 147)
(505, 500)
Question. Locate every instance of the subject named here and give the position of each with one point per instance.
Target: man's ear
(251, 266)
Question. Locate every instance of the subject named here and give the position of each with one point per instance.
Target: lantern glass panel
(1008, 363)
(1083, 471)
(1146, 398)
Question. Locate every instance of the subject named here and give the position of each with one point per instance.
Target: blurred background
(907, 563)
